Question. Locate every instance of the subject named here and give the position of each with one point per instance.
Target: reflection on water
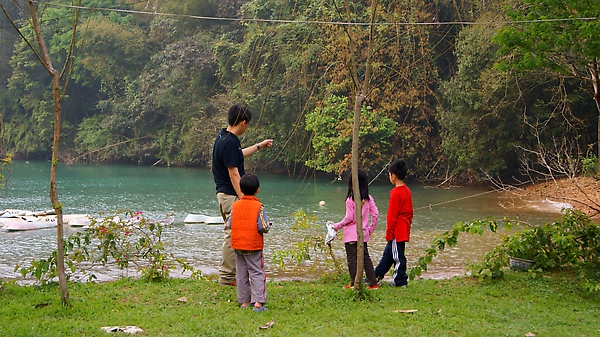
(93, 189)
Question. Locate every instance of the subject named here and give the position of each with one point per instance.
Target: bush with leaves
(310, 246)
(590, 166)
(573, 241)
(450, 239)
(113, 240)
(5, 166)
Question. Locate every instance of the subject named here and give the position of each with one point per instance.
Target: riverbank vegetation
(132, 243)
(149, 88)
(523, 304)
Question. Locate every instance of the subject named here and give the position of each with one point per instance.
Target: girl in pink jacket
(350, 234)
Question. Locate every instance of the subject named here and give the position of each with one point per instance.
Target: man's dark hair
(237, 114)
(399, 169)
(249, 184)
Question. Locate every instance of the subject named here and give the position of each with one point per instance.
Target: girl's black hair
(363, 186)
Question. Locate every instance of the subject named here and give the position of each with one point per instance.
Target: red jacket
(244, 226)
(399, 215)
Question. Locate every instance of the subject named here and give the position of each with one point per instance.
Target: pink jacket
(349, 222)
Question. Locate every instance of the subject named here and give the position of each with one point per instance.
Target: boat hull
(201, 218)
(27, 223)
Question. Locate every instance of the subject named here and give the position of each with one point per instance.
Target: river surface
(157, 191)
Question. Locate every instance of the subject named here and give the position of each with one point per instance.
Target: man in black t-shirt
(228, 167)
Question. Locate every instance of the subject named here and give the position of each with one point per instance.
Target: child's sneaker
(373, 287)
(348, 286)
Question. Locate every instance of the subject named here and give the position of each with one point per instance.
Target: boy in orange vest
(248, 222)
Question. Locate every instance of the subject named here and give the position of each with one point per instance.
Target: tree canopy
(454, 100)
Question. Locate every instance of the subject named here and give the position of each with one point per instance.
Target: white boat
(77, 220)
(28, 223)
(13, 213)
(166, 221)
(40, 213)
(16, 213)
(214, 220)
(32, 222)
(195, 218)
(201, 218)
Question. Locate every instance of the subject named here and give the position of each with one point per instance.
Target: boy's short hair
(399, 169)
(237, 114)
(249, 184)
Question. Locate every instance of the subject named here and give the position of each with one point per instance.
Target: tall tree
(558, 35)
(59, 83)
(361, 89)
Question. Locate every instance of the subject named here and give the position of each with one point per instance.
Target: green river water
(156, 191)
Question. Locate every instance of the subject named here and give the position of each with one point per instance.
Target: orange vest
(244, 224)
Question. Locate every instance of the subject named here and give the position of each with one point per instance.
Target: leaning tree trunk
(60, 258)
(360, 245)
(361, 95)
(595, 74)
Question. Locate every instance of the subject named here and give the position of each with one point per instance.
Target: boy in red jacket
(397, 232)
(248, 222)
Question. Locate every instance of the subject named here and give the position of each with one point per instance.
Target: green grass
(546, 305)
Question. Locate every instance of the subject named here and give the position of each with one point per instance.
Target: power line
(335, 23)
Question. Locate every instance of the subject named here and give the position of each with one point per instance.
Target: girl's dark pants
(393, 254)
(351, 250)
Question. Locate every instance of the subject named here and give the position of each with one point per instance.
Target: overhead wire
(318, 22)
(454, 200)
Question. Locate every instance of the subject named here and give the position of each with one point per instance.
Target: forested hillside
(455, 91)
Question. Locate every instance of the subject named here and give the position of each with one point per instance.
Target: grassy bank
(547, 305)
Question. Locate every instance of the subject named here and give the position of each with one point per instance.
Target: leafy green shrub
(310, 246)
(572, 241)
(113, 240)
(590, 166)
(450, 239)
(5, 166)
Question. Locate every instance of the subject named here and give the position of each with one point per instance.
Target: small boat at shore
(201, 218)
(12, 213)
(33, 222)
(15, 213)
(28, 223)
(13, 220)
(166, 221)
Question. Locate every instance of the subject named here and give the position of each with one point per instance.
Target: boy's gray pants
(250, 276)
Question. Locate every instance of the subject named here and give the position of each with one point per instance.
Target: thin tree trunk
(360, 252)
(60, 258)
(596, 83)
(361, 95)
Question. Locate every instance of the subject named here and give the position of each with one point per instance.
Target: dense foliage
(151, 88)
(570, 242)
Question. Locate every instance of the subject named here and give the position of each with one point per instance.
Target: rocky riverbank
(582, 193)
